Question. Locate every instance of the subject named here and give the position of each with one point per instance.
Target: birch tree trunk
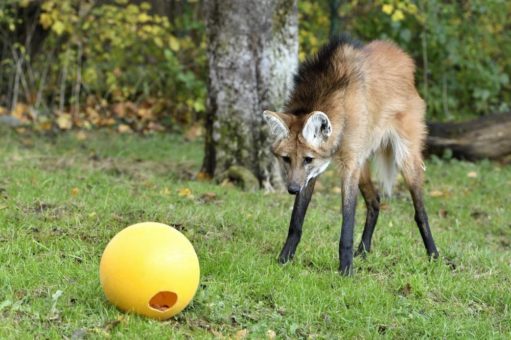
(252, 55)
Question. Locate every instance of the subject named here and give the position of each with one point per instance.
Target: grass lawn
(63, 198)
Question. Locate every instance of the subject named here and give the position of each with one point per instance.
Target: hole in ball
(163, 301)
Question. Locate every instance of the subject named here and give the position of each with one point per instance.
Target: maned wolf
(352, 104)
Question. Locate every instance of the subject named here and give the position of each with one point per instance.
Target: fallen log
(487, 137)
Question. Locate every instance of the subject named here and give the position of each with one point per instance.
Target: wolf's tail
(388, 160)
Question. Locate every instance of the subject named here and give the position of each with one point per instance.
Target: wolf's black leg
(421, 218)
(349, 205)
(295, 226)
(414, 178)
(372, 201)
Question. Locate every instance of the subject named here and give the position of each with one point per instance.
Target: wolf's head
(299, 144)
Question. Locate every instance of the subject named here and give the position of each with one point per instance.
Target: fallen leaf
(384, 206)
(145, 113)
(208, 197)
(436, 193)
(165, 191)
(336, 190)
(472, 174)
(20, 111)
(185, 192)
(194, 132)
(123, 128)
(81, 136)
(64, 121)
(45, 125)
(241, 334)
(110, 325)
(75, 191)
(152, 126)
(202, 176)
(119, 109)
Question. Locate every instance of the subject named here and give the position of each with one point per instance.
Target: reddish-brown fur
(369, 96)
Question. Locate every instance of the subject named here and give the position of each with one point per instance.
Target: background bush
(142, 65)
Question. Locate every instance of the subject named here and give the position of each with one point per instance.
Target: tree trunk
(486, 137)
(252, 54)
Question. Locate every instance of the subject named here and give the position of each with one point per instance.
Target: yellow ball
(150, 269)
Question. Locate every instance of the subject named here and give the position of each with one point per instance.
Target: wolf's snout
(293, 188)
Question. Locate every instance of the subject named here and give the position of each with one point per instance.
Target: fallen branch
(488, 137)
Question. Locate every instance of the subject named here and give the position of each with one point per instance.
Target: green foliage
(118, 51)
(462, 52)
(122, 50)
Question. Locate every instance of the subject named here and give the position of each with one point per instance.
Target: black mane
(316, 76)
(321, 62)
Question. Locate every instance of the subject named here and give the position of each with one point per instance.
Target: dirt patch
(136, 169)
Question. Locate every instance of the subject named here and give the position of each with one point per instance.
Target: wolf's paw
(361, 252)
(286, 254)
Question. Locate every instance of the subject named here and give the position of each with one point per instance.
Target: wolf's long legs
(349, 205)
(414, 178)
(295, 226)
(372, 201)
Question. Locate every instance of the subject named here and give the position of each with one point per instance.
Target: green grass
(62, 199)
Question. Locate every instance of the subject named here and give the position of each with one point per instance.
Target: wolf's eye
(286, 159)
(308, 160)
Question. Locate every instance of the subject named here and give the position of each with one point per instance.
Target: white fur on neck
(317, 171)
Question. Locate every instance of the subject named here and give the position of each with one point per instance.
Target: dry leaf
(185, 192)
(75, 191)
(64, 121)
(152, 126)
(384, 206)
(208, 197)
(45, 126)
(436, 193)
(145, 113)
(81, 136)
(472, 174)
(20, 111)
(336, 190)
(194, 132)
(241, 334)
(123, 128)
(119, 109)
(202, 176)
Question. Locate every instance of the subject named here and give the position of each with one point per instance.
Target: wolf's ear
(317, 128)
(278, 127)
